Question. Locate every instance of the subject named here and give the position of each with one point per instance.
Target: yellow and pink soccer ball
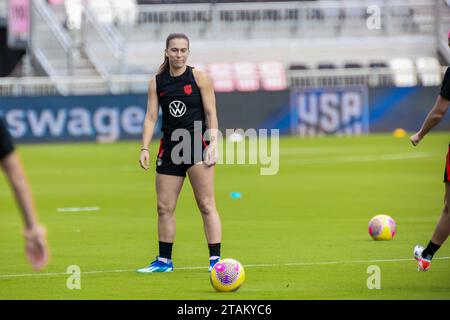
(227, 275)
(382, 227)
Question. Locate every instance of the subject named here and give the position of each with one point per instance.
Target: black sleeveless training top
(445, 87)
(180, 100)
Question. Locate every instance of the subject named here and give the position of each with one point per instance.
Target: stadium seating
(273, 75)
(73, 9)
(199, 66)
(125, 12)
(378, 64)
(222, 77)
(352, 65)
(428, 69)
(103, 10)
(315, 44)
(326, 65)
(246, 76)
(298, 66)
(404, 72)
(113, 12)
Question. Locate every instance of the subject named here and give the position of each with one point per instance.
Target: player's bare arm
(433, 118)
(150, 120)
(35, 235)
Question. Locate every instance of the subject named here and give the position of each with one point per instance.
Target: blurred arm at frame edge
(438, 111)
(36, 248)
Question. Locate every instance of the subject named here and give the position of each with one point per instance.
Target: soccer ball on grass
(382, 227)
(227, 275)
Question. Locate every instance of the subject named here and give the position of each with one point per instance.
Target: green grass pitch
(300, 234)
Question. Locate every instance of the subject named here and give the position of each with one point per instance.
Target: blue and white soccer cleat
(212, 263)
(157, 266)
(422, 263)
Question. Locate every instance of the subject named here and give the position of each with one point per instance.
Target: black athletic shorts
(176, 157)
(6, 143)
(447, 167)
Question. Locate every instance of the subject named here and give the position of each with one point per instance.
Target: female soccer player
(442, 230)
(186, 96)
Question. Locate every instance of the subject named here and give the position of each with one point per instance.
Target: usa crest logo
(188, 89)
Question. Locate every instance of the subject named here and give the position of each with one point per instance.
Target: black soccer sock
(430, 250)
(165, 250)
(214, 249)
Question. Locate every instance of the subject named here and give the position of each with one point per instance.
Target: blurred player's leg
(442, 230)
(422, 263)
(440, 235)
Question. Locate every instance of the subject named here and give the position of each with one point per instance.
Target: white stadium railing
(74, 85)
(371, 77)
(50, 44)
(341, 77)
(102, 44)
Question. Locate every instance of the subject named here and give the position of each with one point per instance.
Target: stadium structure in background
(77, 70)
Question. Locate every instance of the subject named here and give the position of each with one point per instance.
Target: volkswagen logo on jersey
(177, 108)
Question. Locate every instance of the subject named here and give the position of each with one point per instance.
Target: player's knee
(207, 207)
(165, 209)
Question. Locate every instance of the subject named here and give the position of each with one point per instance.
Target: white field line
(321, 150)
(368, 158)
(273, 265)
(84, 209)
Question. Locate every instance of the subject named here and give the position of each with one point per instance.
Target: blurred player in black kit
(442, 230)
